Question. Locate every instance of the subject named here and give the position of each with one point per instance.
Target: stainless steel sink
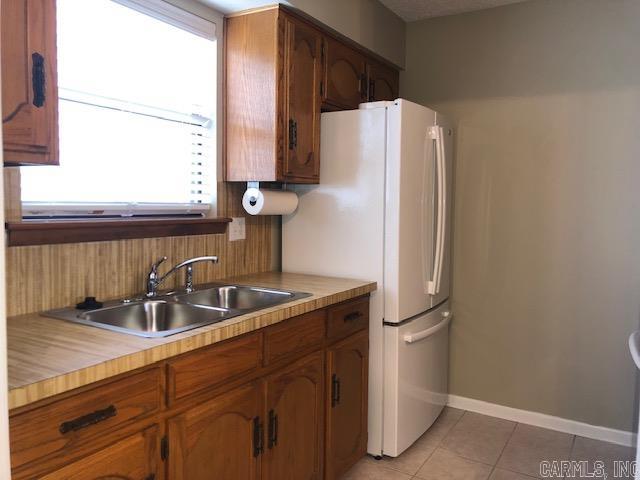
(147, 318)
(178, 311)
(238, 297)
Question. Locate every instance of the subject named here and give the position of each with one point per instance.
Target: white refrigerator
(383, 212)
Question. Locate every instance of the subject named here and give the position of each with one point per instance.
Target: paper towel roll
(269, 202)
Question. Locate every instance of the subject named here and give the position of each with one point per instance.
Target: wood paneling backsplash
(52, 276)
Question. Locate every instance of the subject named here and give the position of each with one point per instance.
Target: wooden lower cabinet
(133, 458)
(221, 438)
(347, 367)
(288, 402)
(295, 413)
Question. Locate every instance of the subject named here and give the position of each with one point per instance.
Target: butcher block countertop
(47, 356)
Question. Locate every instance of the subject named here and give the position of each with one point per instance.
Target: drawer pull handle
(352, 317)
(88, 420)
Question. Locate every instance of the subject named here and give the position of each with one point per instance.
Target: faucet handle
(154, 266)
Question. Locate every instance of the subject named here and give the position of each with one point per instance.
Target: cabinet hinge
(322, 51)
(164, 448)
(321, 89)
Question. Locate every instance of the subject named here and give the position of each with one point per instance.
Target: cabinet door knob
(335, 390)
(258, 446)
(293, 134)
(363, 86)
(273, 429)
(38, 79)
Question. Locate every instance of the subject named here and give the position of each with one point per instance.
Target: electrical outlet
(236, 229)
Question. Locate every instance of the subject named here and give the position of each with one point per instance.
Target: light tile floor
(468, 446)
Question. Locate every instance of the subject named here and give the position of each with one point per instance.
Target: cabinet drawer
(211, 366)
(294, 336)
(60, 427)
(347, 318)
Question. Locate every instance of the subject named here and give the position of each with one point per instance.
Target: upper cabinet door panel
(384, 82)
(346, 76)
(29, 82)
(304, 72)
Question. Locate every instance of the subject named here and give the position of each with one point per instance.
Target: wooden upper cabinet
(294, 434)
(273, 71)
(346, 404)
(304, 73)
(221, 438)
(29, 82)
(134, 458)
(346, 82)
(281, 69)
(384, 82)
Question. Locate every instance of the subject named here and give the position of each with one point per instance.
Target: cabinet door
(29, 90)
(134, 458)
(221, 438)
(295, 403)
(304, 73)
(346, 76)
(384, 82)
(347, 404)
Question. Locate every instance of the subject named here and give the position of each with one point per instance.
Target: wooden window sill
(46, 232)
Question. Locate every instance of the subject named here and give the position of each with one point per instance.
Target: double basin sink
(176, 312)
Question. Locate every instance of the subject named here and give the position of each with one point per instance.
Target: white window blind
(137, 102)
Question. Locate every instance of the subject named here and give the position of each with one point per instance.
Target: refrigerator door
(410, 211)
(338, 227)
(416, 366)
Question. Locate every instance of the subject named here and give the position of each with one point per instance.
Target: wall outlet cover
(237, 229)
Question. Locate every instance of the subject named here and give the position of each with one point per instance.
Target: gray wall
(368, 22)
(546, 97)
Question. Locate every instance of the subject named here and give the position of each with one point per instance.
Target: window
(137, 102)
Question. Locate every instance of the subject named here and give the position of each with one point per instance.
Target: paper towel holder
(255, 185)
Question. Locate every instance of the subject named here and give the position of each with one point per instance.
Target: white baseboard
(620, 437)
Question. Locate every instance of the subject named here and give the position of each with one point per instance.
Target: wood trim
(47, 232)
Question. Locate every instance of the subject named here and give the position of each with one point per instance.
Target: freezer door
(416, 369)
(409, 213)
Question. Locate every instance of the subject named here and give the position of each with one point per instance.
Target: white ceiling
(230, 6)
(411, 10)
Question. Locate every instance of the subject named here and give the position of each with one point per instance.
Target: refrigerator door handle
(426, 273)
(429, 332)
(433, 286)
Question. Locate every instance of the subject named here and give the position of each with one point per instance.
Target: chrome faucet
(154, 280)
